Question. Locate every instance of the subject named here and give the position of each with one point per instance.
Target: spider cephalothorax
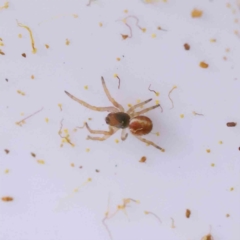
(119, 119)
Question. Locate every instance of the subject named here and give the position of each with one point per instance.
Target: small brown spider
(119, 119)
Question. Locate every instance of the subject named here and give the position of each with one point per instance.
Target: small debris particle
(173, 225)
(41, 161)
(153, 35)
(212, 164)
(72, 165)
(87, 149)
(156, 93)
(228, 5)
(6, 171)
(100, 24)
(227, 215)
(231, 124)
(227, 50)
(203, 65)
(157, 133)
(196, 13)
(239, 148)
(116, 141)
(157, 101)
(23, 120)
(20, 35)
(188, 213)
(34, 50)
(89, 119)
(1, 52)
(24, 55)
(129, 105)
(22, 114)
(195, 113)
(6, 79)
(186, 46)
(174, 87)
(126, 11)
(7, 199)
(6, 5)
(181, 115)
(80, 166)
(67, 42)
(33, 154)
(207, 237)
(47, 46)
(46, 120)
(124, 36)
(213, 40)
(1, 44)
(143, 159)
(225, 58)
(231, 189)
(97, 170)
(86, 87)
(220, 142)
(6, 151)
(118, 59)
(60, 106)
(32, 77)
(208, 150)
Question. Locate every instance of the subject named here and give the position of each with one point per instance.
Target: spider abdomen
(140, 125)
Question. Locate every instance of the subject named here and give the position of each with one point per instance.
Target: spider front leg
(99, 109)
(98, 131)
(131, 109)
(150, 143)
(145, 110)
(106, 134)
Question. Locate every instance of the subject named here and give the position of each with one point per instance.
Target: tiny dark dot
(97, 170)
(239, 148)
(6, 79)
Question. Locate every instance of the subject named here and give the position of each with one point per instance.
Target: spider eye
(107, 120)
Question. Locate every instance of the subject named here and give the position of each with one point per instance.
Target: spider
(119, 119)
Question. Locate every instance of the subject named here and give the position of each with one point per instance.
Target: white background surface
(168, 183)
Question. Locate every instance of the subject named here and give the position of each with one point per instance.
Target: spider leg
(99, 109)
(110, 98)
(124, 135)
(98, 131)
(104, 136)
(145, 110)
(149, 142)
(131, 109)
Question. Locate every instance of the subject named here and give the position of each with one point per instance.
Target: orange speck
(208, 150)
(67, 42)
(47, 46)
(100, 24)
(196, 13)
(203, 65)
(32, 77)
(118, 59)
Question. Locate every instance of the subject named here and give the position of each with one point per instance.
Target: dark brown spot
(6, 151)
(24, 55)
(33, 154)
(231, 124)
(186, 46)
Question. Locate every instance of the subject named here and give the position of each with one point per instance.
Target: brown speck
(124, 36)
(97, 170)
(67, 42)
(6, 151)
(32, 77)
(196, 13)
(188, 213)
(213, 40)
(80, 166)
(47, 46)
(7, 199)
(231, 124)
(227, 215)
(212, 164)
(186, 46)
(72, 165)
(239, 148)
(208, 150)
(1, 52)
(203, 65)
(231, 189)
(33, 154)
(24, 55)
(143, 159)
